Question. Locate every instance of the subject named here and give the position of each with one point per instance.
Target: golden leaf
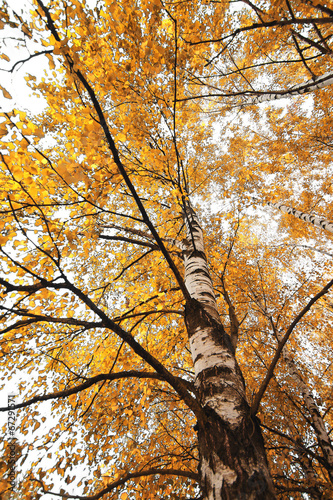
(5, 93)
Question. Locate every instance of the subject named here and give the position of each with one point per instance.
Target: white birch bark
(313, 219)
(197, 277)
(316, 418)
(309, 471)
(304, 88)
(232, 457)
(208, 352)
(309, 401)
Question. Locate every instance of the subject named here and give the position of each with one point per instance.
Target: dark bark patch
(196, 316)
(197, 271)
(239, 451)
(194, 253)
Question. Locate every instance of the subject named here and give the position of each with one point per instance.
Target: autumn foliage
(152, 107)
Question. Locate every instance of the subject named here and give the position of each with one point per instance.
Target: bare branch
(22, 61)
(129, 240)
(49, 319)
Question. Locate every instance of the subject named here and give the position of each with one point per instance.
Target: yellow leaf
(26, 31)
(121, 137)
(3, 130)
(5, 93)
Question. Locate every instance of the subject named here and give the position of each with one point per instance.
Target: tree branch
(177, 385)
(22, 61)
(85, 385)
(129, 240)
(128, 477)
(268, 24)
(50, 319)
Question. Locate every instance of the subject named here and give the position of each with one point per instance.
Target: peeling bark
(233, 464)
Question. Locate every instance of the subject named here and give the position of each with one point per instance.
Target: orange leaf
(5, 93)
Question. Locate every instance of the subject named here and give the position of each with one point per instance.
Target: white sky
(14, 81)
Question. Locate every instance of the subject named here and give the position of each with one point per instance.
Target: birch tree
(313, 219)
(151, 325)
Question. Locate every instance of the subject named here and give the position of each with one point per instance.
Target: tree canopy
(152, 107)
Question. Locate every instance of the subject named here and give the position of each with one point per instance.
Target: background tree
(136, 192)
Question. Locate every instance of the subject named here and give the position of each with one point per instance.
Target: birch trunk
(304, 88)
(316, 418)
(314, 219)
(233, 464)
(308, 470)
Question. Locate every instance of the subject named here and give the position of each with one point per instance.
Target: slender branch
(22, 61)
(292, 440)
(312, 43)
(85, 385)
(322, 39)
(138, 242)
(130, 230)
(312, 248)
(50, 319)
(128, 477)
(256, 9)
(258, 96)
(150, 299)
(294, 34)
(234, 323)
(148, 313)
(129, 240)
(268, 24)
(125, 268)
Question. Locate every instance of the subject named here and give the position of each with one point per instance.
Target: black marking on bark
(217, 380)
(214, 371)
(194, 253)
(196, 271)
(198, 357)
(207, 294)
(197, 316)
